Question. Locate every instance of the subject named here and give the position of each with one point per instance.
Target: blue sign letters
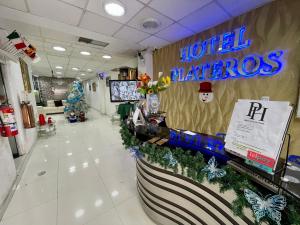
(249, 66)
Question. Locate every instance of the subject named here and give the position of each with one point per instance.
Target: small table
(47, 129)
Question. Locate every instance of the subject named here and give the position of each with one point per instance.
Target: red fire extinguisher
(8, 125)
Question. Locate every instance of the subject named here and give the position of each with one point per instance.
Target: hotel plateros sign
(256, 131)
(268, 64)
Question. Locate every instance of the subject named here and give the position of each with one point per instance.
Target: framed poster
(94, 85)
(107, 81)
(25, 75)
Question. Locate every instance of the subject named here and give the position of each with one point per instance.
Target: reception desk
(170, 198)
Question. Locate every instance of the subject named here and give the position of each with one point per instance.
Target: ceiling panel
(147, 13)
(15, 4)
(78, 3)
(154, 42)
(174, 33)
(131, 34)
(178, 10)
(238, 7)
(206, 17)
(56, 35)
(55, 10)
(132, 7)
(99, 24)
(22, 28)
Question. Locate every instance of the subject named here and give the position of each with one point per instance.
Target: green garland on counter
(191, 166)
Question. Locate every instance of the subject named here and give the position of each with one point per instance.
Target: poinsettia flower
(145, 78)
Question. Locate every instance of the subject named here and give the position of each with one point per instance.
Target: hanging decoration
(212, 170)
(135, 152)
(18, 46)
(170, 159)
(270, 206)
(205, 92)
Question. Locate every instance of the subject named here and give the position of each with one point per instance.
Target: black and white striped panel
(170, 199)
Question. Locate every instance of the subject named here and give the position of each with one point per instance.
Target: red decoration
(205, 87)
(49, 120)
(42, 120)
(8, 125)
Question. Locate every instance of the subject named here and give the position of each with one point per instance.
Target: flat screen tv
(123, 91)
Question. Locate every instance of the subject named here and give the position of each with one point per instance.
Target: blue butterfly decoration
(212, 170)
(135, 152)
(169, 157)
(270, 207)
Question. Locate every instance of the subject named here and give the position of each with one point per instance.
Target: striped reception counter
(169, 198)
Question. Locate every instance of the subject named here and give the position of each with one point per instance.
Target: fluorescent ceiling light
(59, 67)
(85, 53)
(83, 74)
(75, 69)
(114, 8)
(58, 72)
(89, 70)
(59, 48)
(59, 76)
(106, 57)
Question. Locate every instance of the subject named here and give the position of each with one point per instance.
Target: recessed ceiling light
(85, 53)
(89, 70)
(58, 72)
(59, 67)
(83, 74)
(106, 57)
(114, 8)
(75, 69)
(59, 48)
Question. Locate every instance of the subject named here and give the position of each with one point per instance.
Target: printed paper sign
(258, 126)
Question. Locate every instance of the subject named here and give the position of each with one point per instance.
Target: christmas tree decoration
(270, 206)
(76, 105)
(170, 159)
(205, 92)
(212, 170)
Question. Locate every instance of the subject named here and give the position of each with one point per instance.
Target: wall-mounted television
(123, 91)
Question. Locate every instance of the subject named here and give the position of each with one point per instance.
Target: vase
(153, 103)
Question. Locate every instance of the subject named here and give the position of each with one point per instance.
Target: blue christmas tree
(76, 104)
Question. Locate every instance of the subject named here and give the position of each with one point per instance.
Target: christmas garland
(192, 166)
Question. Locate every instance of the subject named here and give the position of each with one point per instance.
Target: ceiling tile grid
(131, 34)
(174, 33)
(179, 8)
(55, 10)
(99, 24)
(204, 18)
(132, 7)
(147, 13)
(14, 4)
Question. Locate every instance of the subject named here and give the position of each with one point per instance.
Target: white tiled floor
(90, 179)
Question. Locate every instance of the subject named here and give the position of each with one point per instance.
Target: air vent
(93, 42)
(150, 23)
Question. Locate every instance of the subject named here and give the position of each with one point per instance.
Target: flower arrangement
(146, 86)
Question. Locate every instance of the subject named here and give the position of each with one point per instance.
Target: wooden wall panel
(273, 26)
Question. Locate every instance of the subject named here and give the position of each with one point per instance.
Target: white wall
(7, 169)
(100, 100)
(146, 65)
(14, 85)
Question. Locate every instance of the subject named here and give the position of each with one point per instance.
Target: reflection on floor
(89, 179)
